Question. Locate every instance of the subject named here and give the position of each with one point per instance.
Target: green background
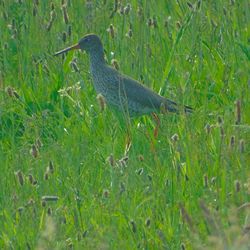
(166, 194)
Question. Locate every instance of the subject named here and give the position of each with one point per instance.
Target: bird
(129, 96)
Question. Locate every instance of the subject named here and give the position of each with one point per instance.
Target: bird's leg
(158, 123)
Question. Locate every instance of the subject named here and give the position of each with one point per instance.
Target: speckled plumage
(119, 90)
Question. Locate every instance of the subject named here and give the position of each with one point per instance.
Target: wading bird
(128, 95)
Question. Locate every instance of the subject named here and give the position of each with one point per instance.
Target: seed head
(232, 141)
(63, 220)
(127, 9)
(73, 64)
(183, 247)
(224, 11)
(129, 34)
(147, 222)
(105, 193)
(139, 171)
(237, 186)
(167, 21)
(50, 198)
(38, 143)
(65, 14)
(115, 64)
(51, 167)
(122, 188)
(208, 128)
(114, 9)
(52, 18)
(186, 217)
(30, 202)
(69, 243)
(34, 10)
(150, 22)
(178, 24)
(220, 120)
(69, 30)
(34, 182)
(222, 132)
(141, 77)
(111, 31)
(167, 182)
(133, 226)
(123, 161)
(111, 160)
(49, 211)
(154, 22)
(6, 46)
(102, 102)
(198, 4)
(16, 95)
(175, 138)
(34, 151)
(140, 12)
(213, 180)
(64, 36)
(46, 176)
(84, 234)
(242, 146)
(12, 92)
(20, 210)
(140, 158)
(43, 203)
(46, 68)
(52, 15)
(30, 178)
(20, 177)
(121, 10)
(127, 147)
(190, 5)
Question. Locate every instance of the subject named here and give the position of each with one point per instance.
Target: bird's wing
(140, 93)
(142, 96)
(145, 96)
(132, 88)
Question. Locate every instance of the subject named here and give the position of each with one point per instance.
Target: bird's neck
(96, 59)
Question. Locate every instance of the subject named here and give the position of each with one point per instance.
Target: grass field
(71, 179)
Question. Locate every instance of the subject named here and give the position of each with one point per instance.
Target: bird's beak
(76, 46)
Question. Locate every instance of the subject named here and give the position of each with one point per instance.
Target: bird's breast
(101, 82)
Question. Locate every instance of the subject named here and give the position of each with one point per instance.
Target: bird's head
(89, 43)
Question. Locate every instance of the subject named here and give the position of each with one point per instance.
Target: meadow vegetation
(72, 178)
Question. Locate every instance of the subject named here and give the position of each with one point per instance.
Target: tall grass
(185, 188)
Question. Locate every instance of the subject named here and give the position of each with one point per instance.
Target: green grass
(184, 194)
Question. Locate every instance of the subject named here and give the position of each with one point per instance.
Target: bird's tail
(172, 106)
(188, 109)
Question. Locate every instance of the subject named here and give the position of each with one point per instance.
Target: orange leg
(158, 123)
